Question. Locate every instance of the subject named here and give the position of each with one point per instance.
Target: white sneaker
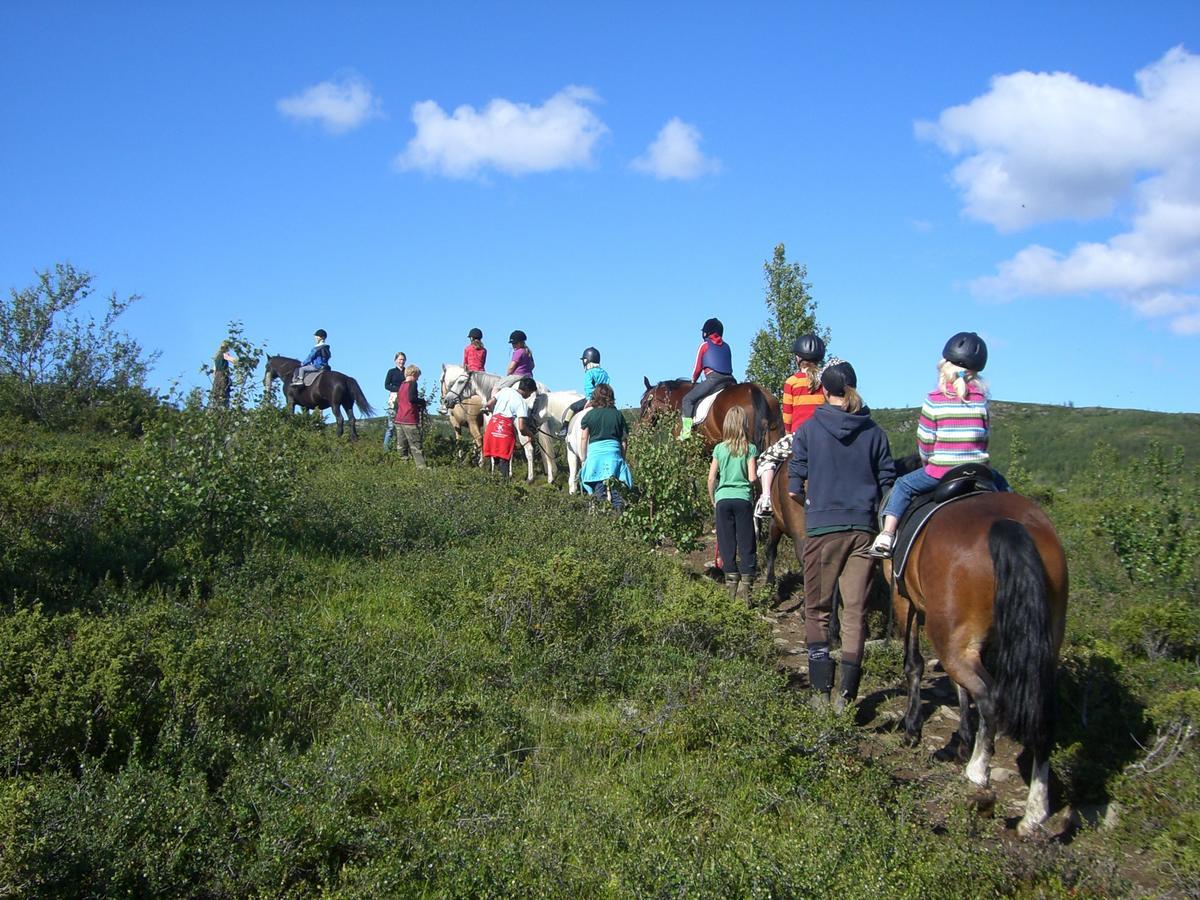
(763, 509)
(882, 548)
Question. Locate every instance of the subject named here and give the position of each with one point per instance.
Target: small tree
(53, 363)
(791, 312)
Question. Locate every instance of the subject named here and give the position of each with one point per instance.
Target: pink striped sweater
(951, 432)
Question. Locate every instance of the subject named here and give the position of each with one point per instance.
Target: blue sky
(618, 174)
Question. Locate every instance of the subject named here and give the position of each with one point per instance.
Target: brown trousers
(840, 560)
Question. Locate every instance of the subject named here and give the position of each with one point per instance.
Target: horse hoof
(1028, 828)
(911, 738)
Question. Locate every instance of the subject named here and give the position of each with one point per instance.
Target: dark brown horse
(787, 517)
(988, 578)
(762, 410)
(331, 390)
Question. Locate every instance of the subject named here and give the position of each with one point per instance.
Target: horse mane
(673, 384)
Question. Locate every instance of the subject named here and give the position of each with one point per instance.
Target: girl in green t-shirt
(730, 476)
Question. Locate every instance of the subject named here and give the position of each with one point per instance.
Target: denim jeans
(918, 482)
(601, 490)
(390, 431)
(907, 487)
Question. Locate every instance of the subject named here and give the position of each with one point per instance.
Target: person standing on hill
(715, 361)
(729, 479)
(391, 384)
(409, 409)
(510, 409)
(802, 395)
(603, 445)
(222, 385)
(841, 464)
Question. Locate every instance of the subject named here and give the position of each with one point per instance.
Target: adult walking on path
(841, 465)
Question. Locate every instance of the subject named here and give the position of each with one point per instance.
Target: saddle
(960, 482)
(705, 405)
(309, 378)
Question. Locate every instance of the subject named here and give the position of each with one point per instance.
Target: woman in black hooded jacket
(841, 465)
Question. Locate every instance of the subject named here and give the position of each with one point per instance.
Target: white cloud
(675, 153)
(1046, 147)
(514, 138)
(337, 106)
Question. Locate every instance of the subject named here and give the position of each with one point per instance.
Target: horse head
(657, 399)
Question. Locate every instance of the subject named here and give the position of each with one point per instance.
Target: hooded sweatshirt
(847, 464)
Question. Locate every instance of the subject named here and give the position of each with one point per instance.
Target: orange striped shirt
(799, 401)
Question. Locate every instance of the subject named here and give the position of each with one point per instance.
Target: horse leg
(572, 471)
(771, 549)
(957, 749)
(547, 448)
(350, 416)
(966, 668)
(528, 448)
(337, 414)
(914, 669)
(1037, 804)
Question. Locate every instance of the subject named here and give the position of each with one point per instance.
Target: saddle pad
(310, 377)
(704, 406)
(912, 523)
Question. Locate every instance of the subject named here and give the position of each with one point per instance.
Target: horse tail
(360, 399)
(762, 418)
(1020, 654)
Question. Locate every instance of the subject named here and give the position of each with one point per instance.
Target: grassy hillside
(239, 657)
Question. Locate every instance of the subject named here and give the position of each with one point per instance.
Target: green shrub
(205, 485)
(669, 502)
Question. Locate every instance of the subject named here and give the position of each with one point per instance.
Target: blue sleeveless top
(718, 358)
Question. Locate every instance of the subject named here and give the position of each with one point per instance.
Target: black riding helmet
(320, 332)
(966, 349)
(475, 335)
(713, 326)
(591, 355)
(517, 335)
(809, 347)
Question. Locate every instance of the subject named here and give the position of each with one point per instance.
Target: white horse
(547, 409)
(575, 452)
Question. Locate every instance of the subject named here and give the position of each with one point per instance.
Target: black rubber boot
(851, 676)
(820, 679)
(732, 582)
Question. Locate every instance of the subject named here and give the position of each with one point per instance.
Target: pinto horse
(762, 409)
(988, 577)
(332, 390)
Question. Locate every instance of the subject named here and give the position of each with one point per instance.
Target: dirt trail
(880, 709)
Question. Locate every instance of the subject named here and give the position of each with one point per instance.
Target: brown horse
(332, 390)
(762, 409)
(988, 577)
